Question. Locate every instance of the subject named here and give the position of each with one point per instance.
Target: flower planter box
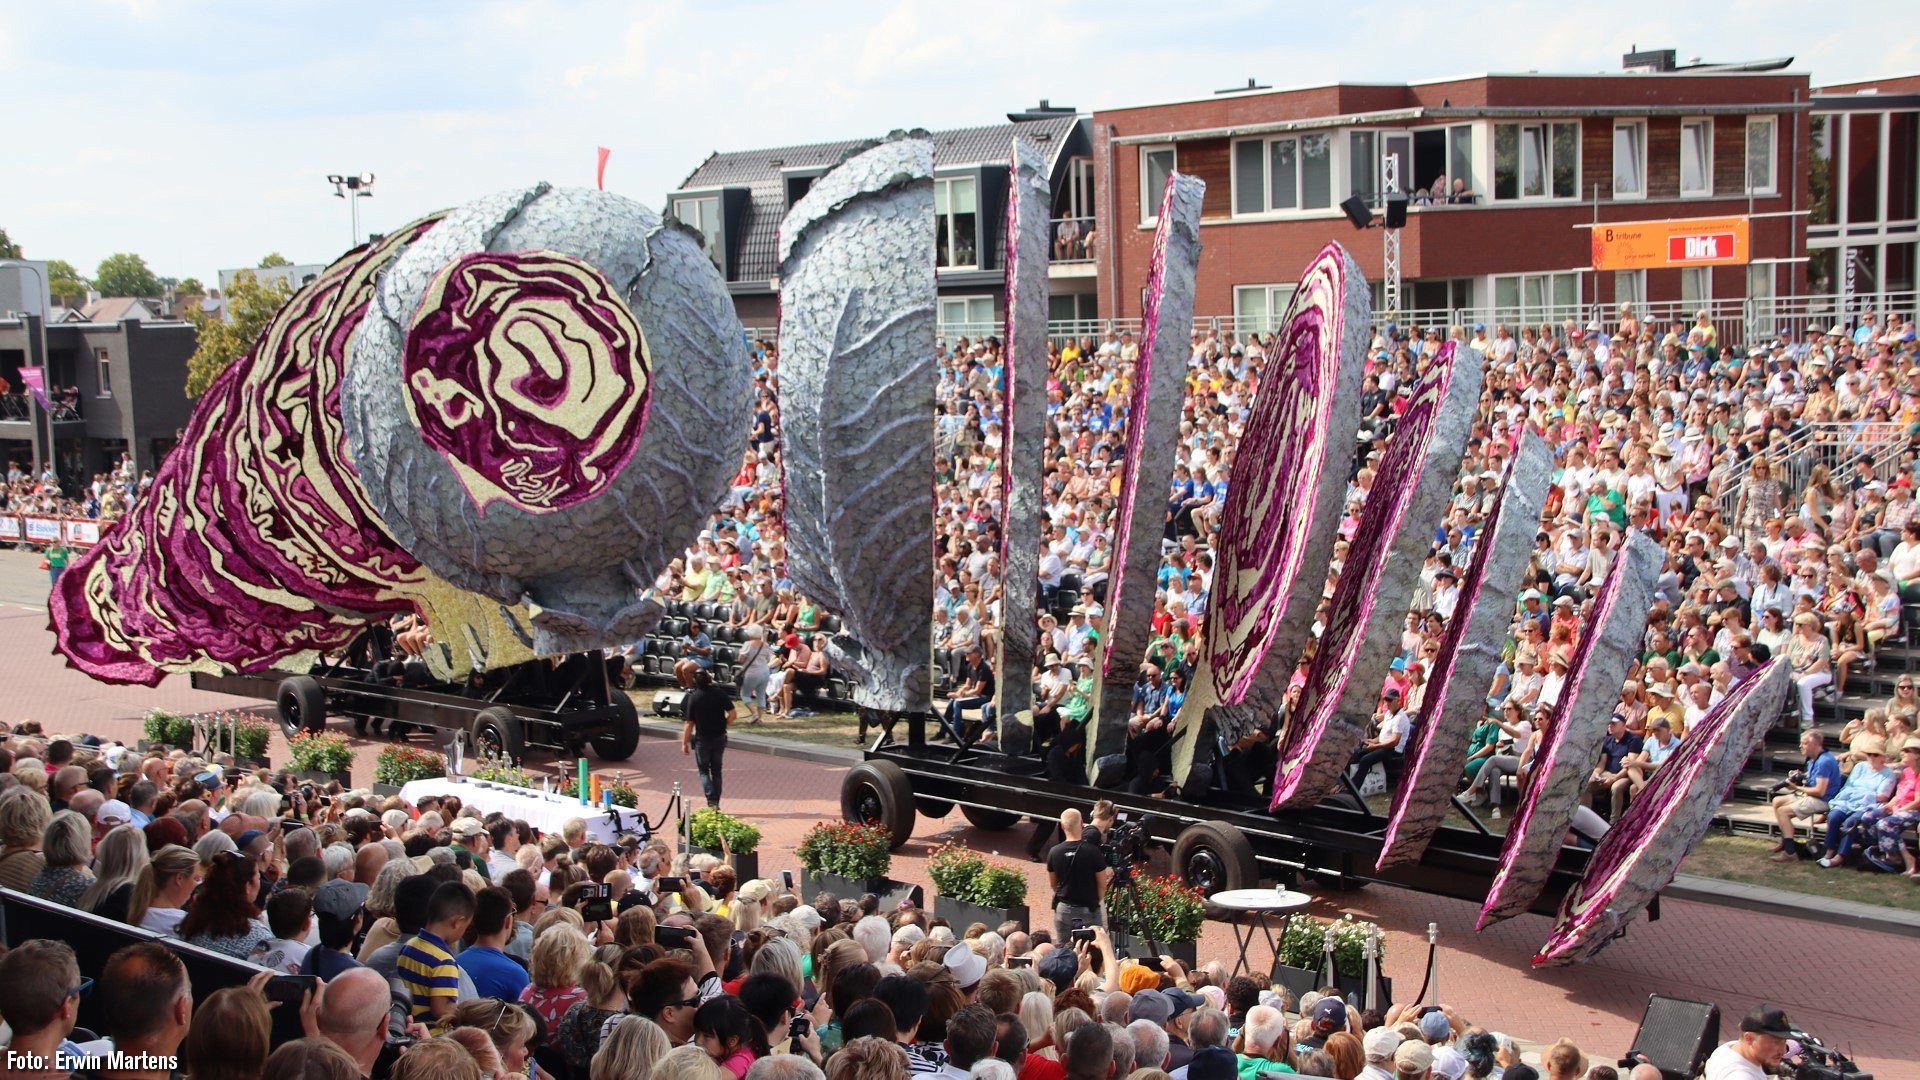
(1187, 952)
(961, 914)
(316, 777)
(1298, 981)
(745, 864)
(891, 892)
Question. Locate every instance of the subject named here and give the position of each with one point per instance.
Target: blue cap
(1479, 326)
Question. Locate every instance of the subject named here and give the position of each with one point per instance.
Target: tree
(191, 287)
(274, 259)
(250, 304)
(65, 283)
(8, 249)
(126, 274)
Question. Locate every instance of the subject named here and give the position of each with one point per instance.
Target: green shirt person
(57, 556)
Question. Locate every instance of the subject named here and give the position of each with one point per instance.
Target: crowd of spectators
(39, 491)
(445, 943)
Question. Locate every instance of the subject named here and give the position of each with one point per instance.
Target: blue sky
(199, 133)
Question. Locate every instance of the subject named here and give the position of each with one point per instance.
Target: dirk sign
(1642, 245)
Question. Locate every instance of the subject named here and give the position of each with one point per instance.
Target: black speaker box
(1676, 1035)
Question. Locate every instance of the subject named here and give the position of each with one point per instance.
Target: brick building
(1539, 159)
(126, 391)
(1863, 167)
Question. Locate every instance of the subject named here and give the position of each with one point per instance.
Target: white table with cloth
(545, 812)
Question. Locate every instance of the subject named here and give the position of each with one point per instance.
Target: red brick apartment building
(1543, 157)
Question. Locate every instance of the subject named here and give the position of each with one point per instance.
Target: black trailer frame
(1229, 842)
(512, 709)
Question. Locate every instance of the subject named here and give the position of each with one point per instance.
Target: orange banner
(1642, 245)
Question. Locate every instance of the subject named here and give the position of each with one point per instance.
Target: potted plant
(848, 860)
(969, 889)
(162, 729)
(321, 756)
(1300, 965)
(726, 837)
(400, 765)
(1165, 921)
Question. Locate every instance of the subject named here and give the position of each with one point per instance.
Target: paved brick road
(1863, 995)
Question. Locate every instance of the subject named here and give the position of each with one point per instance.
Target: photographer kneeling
(1078, 871)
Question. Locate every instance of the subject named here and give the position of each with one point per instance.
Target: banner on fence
(42, 530)
(83, 533)
(10, 531)
(1639, 245)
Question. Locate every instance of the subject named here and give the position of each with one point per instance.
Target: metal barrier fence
(1835, 445)
(41, 530)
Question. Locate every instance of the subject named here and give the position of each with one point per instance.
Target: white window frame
(1639, 127)
(1704, 276)
(699, 204)
(103, 372)
(1275, 297)
(1299, 207)
(1546, 162)
(1636, 293)
(967, 305)
(1707, 169)
(1519, 314)
(1772, 185)
(1150, 200)
(949, 182)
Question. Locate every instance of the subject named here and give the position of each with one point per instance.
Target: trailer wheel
(302, 705)
(498, 732)
(932, 808)
(879, 793)
(619, 744)
(1215, 857)
(991, 820)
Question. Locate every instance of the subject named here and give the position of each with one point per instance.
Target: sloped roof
(113, 309)
(765, 181)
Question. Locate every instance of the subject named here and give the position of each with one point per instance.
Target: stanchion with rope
(1430, 983)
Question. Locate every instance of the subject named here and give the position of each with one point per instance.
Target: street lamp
(33, 411)
(352, 188)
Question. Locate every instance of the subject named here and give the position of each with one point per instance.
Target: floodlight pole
(352, 187)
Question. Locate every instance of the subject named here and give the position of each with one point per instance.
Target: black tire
(1215, 857)
(991, 820)
(498, 731)
(878, 793)
(620, 743)
(302, 705)
(934, 809)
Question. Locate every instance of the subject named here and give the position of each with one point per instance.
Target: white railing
(1736, 322)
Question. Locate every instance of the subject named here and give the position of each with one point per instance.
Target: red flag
(600, 169)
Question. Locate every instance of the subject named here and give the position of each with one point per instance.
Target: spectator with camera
(1806, 795)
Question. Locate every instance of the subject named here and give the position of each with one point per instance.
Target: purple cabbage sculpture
(856, 404)
(1153, 435)
(1024, 446)
(1282, 514)
(1469, 656)
(1565, 753)
(549, 396)
(1643, 850)
(1377, 581)
(256, 543)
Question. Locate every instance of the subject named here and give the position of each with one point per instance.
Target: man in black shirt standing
(709, 712)
(1078, 871)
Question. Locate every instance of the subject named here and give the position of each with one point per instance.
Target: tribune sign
(1645, 245)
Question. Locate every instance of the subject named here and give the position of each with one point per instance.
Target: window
(1259, 308)
(1294, 173)
(1820, 155)
(106, 372)
(1363, 166)
(1630, 159)
(1696, 285)
(1630, 287)
(966, 314)
(1696, 157)
(798, 184)
(1156, 164)
(703, 215)
(1460, 154)
(1536, 161)
(1760, 173)
(1536, 298)
(953, 222)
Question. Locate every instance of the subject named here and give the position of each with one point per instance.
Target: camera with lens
(1816, 1060)
(1797, 778)
(1125, 846)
